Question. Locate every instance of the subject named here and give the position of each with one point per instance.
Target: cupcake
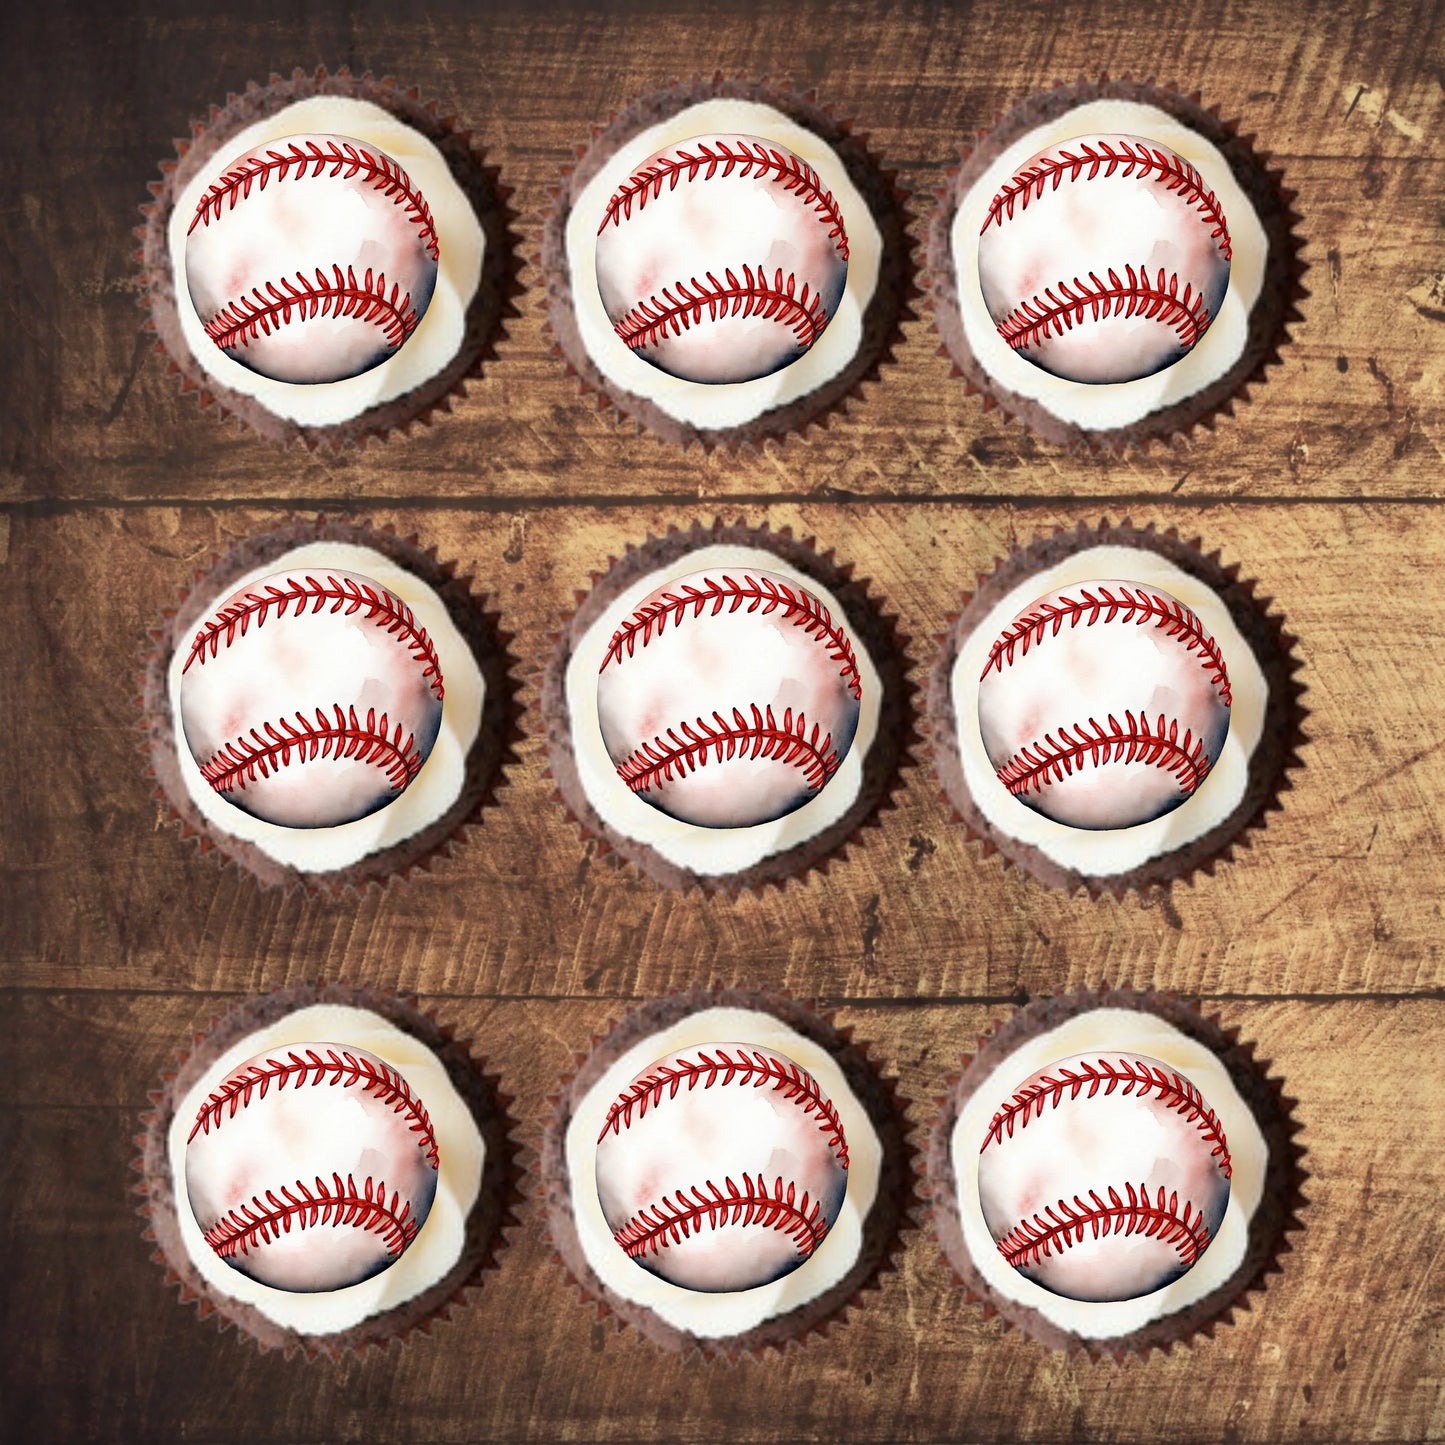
(1112, 1172)
(725, 263)
(1112, 709)
(726, 708)
(328, 706)
(327, 1169)
(725, 1172)
(328, 259)
(1112, 263)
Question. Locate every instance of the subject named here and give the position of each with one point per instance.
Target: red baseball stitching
(1177, 174)
(1062, 1225)
(800, 607)
(347, 595)
(652, 1229)
(753, 1070)
(278, 303)
(344, 1068)
(761, 736)
(380, 172)
(1138, 1079)
(1172, 616)
(796, 176)
(1051, 760)
(268, 1217)
(1036, 319)
(650, 322)
(341, 736)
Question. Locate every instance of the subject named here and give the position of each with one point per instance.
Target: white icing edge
(460, 1150)
(438, 335)
(1119, 404)
(1108, 1030)
(685, 845)
(1115, 850)
(715, 1316)
(696, 403)
(435, 788)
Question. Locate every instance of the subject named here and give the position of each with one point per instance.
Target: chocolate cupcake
(341, 330)
(450, 1103)
(1159, 735)
(426, 792)
(1182, 348)
(695, 782)
(770, 1056)
(725, 329)
(1148, 1278)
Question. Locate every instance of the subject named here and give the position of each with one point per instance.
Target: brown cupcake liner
(1270, 765)
(893, 1209)
(890, 306)
(487, 761)
(889, 754)
(492, 1216)
(1276, 310)
(487, 314)
(1277, 1217)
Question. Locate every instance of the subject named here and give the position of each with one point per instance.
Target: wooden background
(1322, 941)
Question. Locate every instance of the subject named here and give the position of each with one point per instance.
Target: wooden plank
(915, 1364)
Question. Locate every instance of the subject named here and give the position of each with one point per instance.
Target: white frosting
(1110, 1030)
(435, 788)
(696, 403)
(707, 850)
(437, 337)
(1100, 853)
(1111, 405)
(714, 1316)
(460, 1149)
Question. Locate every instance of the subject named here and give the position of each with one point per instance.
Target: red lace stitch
(1063, 1224)
(344, 1068)
(268, 1217)
(761, 736)
(652, 1229)
(1138, 1080)
(1177, 174)
(1170, 615)
(343, 736)
(753, 1070)
(653, 320)
(1051, 760)
(299, 594)
(1036, 319)
(795, 174)
(278, 303)
(381, 172)
(800, 607)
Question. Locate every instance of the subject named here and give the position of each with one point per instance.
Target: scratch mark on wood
(142, 345)
(872, 927)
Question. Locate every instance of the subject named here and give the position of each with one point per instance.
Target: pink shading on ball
(1104, 258)
(311, 1167)
(1104, 704)
(722, 258)
(311, 258)
(721, 1167)
(1104, 1176)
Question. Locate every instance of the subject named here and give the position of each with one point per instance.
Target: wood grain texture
(1321, 940)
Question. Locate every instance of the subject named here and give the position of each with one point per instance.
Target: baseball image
(728, 698)
(311, 1167)
(721, 259)
(311, 699)
(1104, 704)
(721, 1167)
(311, 258)
(1104, 258)
(1104, 1176)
